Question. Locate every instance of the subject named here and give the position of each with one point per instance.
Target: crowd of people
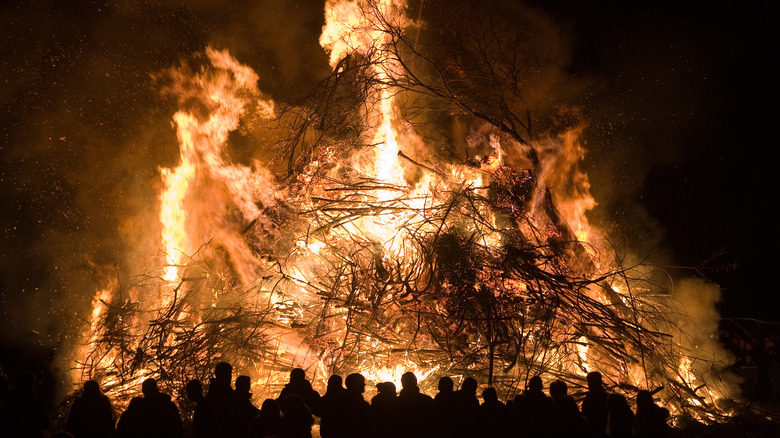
(226, 410)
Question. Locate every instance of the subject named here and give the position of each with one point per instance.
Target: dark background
(682, 104)
(690, 103)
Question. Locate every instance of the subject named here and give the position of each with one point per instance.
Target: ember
(377, 242)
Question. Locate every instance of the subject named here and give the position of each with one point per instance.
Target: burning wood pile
(410, 220)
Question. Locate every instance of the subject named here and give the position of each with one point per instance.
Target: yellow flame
(172, 212)
(393, 373)
(582, 351)
(201, 146)
(685, 372)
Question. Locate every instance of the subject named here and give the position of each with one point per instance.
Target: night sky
(681, 100)
(684, 121)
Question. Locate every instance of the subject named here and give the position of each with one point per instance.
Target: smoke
(698, 324)
(697, 332)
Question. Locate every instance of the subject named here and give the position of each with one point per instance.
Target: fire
(375, 252)
(393, 373)
(172, 212)
(686, 375)
(582, 350)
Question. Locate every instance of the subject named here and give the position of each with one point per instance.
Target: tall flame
(349, 30)
(201, 145)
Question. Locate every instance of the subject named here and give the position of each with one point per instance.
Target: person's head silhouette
(489, 395)
(356, 383)
(243, 385)
(223, 372)
(445, 385)
(408, 380)
(469, 385)
(386, 388)
(595, 383)
(194, 390)
(558, 389)
(297, 375)
(149, 387)
(535, 384)
(91, 389)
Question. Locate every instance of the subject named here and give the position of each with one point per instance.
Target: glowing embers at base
(393, 373)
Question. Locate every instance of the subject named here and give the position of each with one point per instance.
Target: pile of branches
(208, 319)
(486, 281)
(470, 299)
(459, 296)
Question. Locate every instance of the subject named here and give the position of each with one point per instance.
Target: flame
(349, 30)
(582, 351)
(172, 212)
(686, 375)
(201, 146)
(393, 373)
(239, 245)
(98, 309)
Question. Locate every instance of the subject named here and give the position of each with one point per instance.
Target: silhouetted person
(223, 398)
(414, 410)
(268, 422)
(91, 415)
(205, 420)
(565, 417)
(358, 418)
(533, 409)
(162, 413)
(245, 410)
(298, 385)
(26, 414)
(493, 415)
(296, 418)
(594, 405)
(445, 409)
(134, 423)
(383, 408)
(620, 418)
(168, 424)
(220, 392)
(650, 418)
(331, 409)
(558, 389)
(446, 389)
(466, 412)
(467, 394)
(219, 385)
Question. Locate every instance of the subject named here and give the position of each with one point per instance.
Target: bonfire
(411, 218)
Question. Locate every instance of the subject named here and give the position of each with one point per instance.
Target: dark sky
(682, 108)
(693, 85)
